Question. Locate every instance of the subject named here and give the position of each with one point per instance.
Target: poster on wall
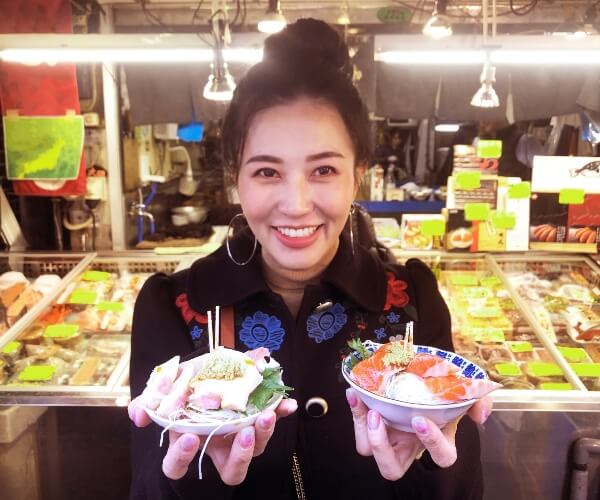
(43, 148)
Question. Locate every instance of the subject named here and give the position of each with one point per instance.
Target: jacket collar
(217, 280)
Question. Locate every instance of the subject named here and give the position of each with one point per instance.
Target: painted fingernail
(420, 425)
(266, 421)
(373, 420)
(351, 398)
(188, 442)
(485, 413)
(246, 437)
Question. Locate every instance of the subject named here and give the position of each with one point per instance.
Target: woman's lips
(296, 237)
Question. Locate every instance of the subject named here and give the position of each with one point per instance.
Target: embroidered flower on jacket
(396, 296)
(380, 333)
(324, 325)
(262, 330)
(196, 332)
(187, 312)
(393, 318)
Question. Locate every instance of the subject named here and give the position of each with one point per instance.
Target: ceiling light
(486, 96)
(273, 21)
(438, 26)
(220, 84)
(344, 18)
(447, 127)
(570, 30)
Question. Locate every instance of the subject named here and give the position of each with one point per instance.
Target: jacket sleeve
(434, 326)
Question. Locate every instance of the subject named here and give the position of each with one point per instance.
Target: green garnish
(220, 367)
(361, 351)
(270, 385)
(396, 355)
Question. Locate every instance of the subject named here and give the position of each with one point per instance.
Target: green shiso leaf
(270, 385)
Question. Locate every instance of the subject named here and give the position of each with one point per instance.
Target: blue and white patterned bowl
(399, 414)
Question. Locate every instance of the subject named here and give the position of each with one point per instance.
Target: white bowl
(205, 429)
(399, 414)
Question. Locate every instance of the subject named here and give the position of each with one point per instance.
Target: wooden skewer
(217, 327)
(211, 345)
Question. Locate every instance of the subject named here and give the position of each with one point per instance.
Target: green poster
(43, 148)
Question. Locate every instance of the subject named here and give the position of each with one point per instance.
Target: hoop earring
(352, 208)
(229, 227)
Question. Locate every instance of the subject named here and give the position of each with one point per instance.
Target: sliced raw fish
(430, 365)
(159, 383)
(373, 373)
(454, 389)
(177, 396)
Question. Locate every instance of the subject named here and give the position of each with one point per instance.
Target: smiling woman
(295, 140)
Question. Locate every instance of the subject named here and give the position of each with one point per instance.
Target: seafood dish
(215, 391)
(416, 374)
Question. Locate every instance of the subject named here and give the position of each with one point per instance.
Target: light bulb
(273, 21)
(486, 96)
(220, 85)
(437, 27)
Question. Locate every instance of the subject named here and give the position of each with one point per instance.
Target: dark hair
(307, 59)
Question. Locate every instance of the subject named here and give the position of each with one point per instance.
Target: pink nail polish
(246, 437)
(373, 420)
(266, 422)
(351, 398)
(420, 425)
(187, 443)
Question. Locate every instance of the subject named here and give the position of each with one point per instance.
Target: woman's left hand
(394, 450)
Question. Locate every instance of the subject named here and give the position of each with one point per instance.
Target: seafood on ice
(221, 385)
(396, 372)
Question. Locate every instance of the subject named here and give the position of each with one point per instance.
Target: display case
(75, 351)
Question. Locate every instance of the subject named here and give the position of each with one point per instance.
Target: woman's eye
(321, 171)
(266, 172)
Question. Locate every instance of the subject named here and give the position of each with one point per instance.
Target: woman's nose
(296, 197)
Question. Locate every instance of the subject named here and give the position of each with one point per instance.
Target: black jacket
(366, 298)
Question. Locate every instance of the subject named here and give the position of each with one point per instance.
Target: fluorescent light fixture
(571, 31)
(432, 57)
(273, 20)
(149, 55)
(447, 127)
(438, 25)
(486, 96)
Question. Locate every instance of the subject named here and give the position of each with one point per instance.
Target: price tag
(555, 386)
(490, 281)
(111, 306)
(39, 373)
(521, 190)
(476, 292)
(504, 220)
(508, 369)
(489, 148)
(568, 196)
(586, 369)
(468, 180)
(433, 227)
(488, 334)
(11, 347)
(95, 276)
(485, 312)
(477, 211)
(464, 280)
(520, 346)
(61, 331)
(573, 354)
(542, 369)
(85, 297)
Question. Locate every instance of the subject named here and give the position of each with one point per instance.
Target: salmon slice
(430, 365)
(454, 389)
(372, 373)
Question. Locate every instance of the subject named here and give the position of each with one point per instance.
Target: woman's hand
(394, 450)
(231, 455)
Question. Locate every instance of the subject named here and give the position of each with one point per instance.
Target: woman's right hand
(231, 455)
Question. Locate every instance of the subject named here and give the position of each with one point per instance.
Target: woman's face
(296, 182)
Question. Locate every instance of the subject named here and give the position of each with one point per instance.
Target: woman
(296, 135)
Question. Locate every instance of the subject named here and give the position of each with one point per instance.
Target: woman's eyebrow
(264, 159)
(324, 155)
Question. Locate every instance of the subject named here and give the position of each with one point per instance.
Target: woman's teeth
(297, 233)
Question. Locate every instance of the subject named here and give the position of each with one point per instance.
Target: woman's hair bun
(306, 41)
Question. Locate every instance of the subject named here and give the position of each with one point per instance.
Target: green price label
(477, 211)
(61, 331)
(433, 227)
(520, 346)
(464, 280)
(573, 354)
(84, 297)
(488, 148)
(468, 180)
(485, 312)
(394, 14)
(542, 369)
(508, 369)
(477, 292)
(504, 220)
(488, 334)
(571, 196)
(491, 281)
(95, 276)
(111, 306)
(555, 386)
(39, 373)
(521, 190)
(586, 369)
(11, 347)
